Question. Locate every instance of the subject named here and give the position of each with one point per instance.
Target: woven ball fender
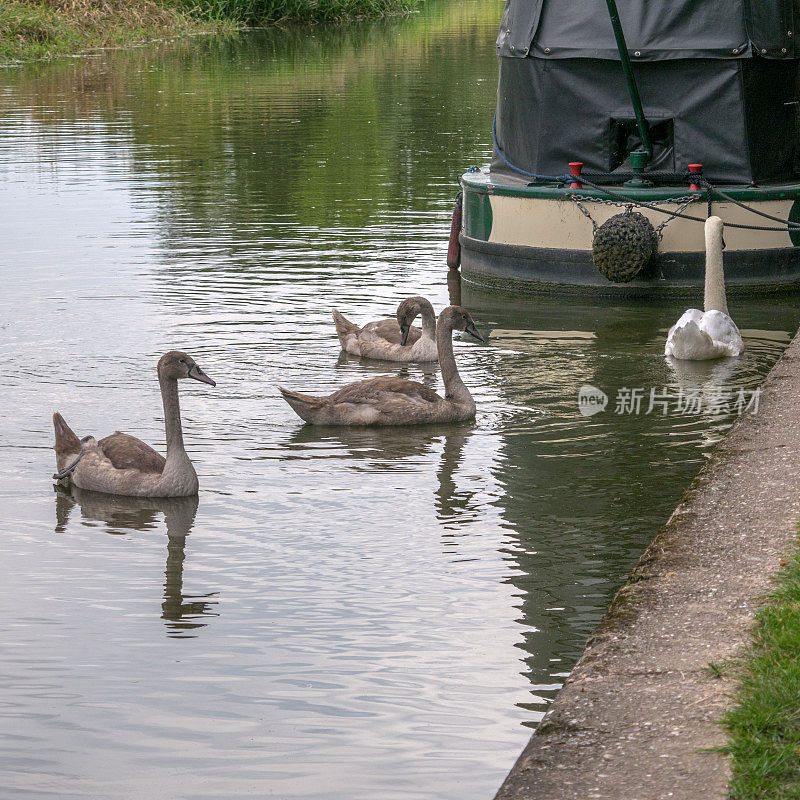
(623, 246)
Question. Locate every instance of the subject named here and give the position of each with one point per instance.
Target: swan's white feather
(699, 336)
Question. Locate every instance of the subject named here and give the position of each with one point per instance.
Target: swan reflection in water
(454, 505)
(393, 449)
(426, 372)
(181, 612)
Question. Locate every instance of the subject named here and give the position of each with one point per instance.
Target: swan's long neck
(428, 320)
(172, 419)
(714, 299)
(454, 387)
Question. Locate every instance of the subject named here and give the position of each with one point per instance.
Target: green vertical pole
(641, 122)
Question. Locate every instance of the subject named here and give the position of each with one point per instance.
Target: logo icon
(591, 400)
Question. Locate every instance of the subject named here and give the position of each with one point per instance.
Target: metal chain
(682, 203)
(625, 199)
(584, 211)
(685, 199)
(660, 228)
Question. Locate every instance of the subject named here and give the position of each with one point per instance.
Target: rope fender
(623, 246)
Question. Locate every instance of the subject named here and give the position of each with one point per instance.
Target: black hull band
(548, 270)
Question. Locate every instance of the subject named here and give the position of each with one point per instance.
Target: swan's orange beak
(197, 374)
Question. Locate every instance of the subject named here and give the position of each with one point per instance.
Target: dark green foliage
(255, 11)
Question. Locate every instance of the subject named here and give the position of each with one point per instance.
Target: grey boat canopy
(718, 81)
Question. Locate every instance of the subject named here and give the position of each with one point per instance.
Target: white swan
(698, 335)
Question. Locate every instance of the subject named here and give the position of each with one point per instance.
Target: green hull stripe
(794, 216)
(480, 183)
(478, 215)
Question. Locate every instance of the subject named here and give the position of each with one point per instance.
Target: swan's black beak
(473, 331)
(197, 374)
(404, 330)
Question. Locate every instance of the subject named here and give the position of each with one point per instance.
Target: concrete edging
(638, 712)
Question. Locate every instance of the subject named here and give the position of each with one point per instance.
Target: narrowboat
(619, 128)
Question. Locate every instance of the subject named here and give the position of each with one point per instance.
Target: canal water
(340, 614)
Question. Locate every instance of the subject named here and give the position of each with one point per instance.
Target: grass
(43, 28)
(260, 11)
(32, 29)
(764, 726)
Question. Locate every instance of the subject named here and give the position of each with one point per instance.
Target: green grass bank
(271, 11)
(764, 724)
(33, 29)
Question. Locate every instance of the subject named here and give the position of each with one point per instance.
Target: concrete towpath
(637, 714)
